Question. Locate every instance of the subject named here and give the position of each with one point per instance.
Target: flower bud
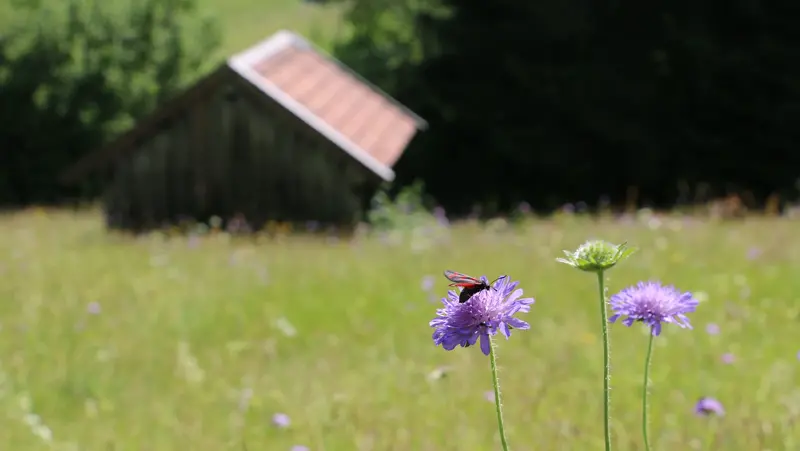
(596, 256)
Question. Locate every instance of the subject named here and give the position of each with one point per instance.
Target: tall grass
(163, 343)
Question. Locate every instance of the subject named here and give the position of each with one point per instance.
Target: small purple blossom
(728, 358)
(489, 396)
(93, 308)
(652, 304)
(706, 406)
(300, 448)
(441, 216)
(281, 420)
(427, 283)
(753, 253)
(712, 329)
(484, 314)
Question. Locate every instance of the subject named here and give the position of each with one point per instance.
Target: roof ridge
(253, 64)
(285, 38)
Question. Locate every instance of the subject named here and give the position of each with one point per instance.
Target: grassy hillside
(157, 343)
(245, 22)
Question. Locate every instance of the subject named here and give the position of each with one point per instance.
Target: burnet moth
(469, 285)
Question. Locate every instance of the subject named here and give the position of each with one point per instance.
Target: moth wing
(460, 279)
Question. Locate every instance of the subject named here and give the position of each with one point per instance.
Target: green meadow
(243, 23)
(159, 342)
(246, 22)
(165, 342)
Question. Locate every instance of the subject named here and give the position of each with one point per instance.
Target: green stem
(498, 405)
(645, 392)
(606, 366)
(711, 435)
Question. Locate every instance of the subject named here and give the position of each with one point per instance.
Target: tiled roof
(355, 115)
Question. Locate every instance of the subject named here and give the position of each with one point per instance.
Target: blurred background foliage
(74, 73)
(543, 102)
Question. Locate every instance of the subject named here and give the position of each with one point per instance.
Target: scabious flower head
(706, 406)
(484, 314)
(281, 420)
(652, 304)
(728, 358)
(596, 256)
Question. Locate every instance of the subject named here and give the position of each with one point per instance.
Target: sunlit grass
(335, 334)
(244, 23)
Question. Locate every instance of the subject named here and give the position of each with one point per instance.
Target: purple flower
(281, 420)
(652, 304)
(300, 448)
(753, 253)
(427, 283)
(706, 406)
(93, 308)
(441, 216)
(484, 314)
(712, 329)
(728, 358)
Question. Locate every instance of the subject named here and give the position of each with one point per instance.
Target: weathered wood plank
(236, 151)
(196, 149)
(158, 198)
(218, 161)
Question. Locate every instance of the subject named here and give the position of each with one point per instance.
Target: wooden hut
(279, 132)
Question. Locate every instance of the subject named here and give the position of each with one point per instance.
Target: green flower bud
(596, 256)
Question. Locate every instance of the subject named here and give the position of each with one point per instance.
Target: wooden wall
(236, 152)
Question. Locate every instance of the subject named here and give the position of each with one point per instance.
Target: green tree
(565, 100)
(74, 73)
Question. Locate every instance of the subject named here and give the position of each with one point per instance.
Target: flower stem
(711, 435)
(645, 392)
(606, 366)
(498, 405)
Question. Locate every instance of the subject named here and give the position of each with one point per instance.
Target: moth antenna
(495, 280)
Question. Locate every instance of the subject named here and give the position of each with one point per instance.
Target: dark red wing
(460, 280)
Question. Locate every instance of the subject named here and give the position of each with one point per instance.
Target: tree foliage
(74, 73)
(567, 100)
